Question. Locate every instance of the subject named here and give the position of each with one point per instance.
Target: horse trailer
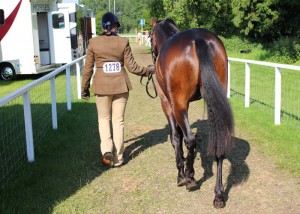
(38, 36)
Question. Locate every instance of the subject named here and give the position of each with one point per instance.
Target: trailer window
(58, 21)
(1, 17)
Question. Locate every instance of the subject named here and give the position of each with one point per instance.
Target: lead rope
(150, 78)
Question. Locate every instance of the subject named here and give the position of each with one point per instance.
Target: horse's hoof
(219, 202)
(191, 185)
(181, 181)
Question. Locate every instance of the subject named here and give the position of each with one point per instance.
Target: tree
(128, 12)
(263, 20)
(255, 18)
(215, 15)
(157, 9)
(266, 20)
(289, 17)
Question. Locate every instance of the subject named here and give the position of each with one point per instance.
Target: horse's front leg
(176, 138)
(219, 201)
(190, 142)
(189, 171)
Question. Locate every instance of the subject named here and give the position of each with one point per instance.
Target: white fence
(40, 101)
(277, 83)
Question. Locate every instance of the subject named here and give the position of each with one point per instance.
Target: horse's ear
(153, 22)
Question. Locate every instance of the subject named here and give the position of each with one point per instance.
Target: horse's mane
(169, 27)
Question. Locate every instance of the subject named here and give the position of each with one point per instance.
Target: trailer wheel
(7, 72)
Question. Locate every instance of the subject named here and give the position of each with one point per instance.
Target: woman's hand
(85, 94)
(151, 69)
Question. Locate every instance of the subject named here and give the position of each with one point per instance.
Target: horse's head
(161, 31)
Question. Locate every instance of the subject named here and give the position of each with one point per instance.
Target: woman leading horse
(191, 65)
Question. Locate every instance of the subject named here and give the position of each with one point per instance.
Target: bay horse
(191, 65)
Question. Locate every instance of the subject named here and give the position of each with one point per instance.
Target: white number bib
(112, 67)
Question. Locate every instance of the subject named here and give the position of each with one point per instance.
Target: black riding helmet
(109, 19)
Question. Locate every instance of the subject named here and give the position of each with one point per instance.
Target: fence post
(68, 79)
(247, 85)
(78, 80)
(28, 127)
(228, 80)
(53, 103)
(277, 109)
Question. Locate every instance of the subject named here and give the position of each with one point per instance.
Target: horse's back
(179, 55)
(186, 38)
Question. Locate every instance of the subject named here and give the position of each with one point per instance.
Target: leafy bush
(236, 44)
(285, 50)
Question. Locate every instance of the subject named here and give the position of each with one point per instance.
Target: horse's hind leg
(219, 201)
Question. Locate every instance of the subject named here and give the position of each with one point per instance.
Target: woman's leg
(118, 110)
(103, 104)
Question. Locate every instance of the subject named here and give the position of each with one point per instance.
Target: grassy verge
(22, 80)
(285, 51)
(279, 142)
(10, 86)
(66, 160)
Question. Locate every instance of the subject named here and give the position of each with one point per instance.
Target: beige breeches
(111, 110)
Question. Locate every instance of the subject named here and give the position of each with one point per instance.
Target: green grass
(279, 142)
(10, 86)
(21, 80)
(283, 51)
(64, 163)
(262, 88)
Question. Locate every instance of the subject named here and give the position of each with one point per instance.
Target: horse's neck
(162, 41)
(164, 35)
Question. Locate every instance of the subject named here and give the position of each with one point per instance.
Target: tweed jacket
(103, 49)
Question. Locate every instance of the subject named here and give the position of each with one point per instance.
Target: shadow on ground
(135, 146)
(239, 171)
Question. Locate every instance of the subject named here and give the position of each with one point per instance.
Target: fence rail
(277, 83)
(36, 103)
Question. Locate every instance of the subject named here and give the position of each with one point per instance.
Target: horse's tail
(220, 117)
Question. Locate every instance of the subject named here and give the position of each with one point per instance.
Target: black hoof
(181, 181)
(191, 185)
(219, 202)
